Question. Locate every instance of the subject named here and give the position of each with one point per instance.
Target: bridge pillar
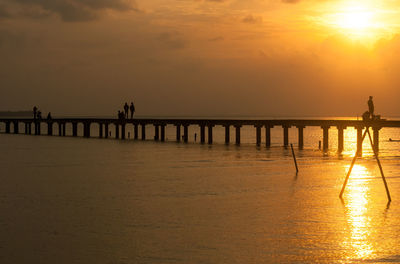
(16, 127)
(210, 134)
(340, 139)
(59, 129)
(143, 131)
(301, 136)
(162, 127)
(49, 128)
(86, 130)
(116, 130)
(30, 128)
(74, 129)
(376, 138)
(258, 135)
(359, 140)
(8, 127)
(185, 133)
(237, 127)
(123, 125)
(136, 131)
(26, 128)
(286, 135)
(325, 145)
(156, 132)
(100, 130)
(227, 134)
(106, 131)
(268, 136)
(178, 132)
(202, 134)
(63, 129)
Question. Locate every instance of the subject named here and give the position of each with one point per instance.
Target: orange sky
(200, 57)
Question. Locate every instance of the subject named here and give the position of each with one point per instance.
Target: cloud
(70, 10)
(291, 1)
(172, 41)
(252, 19)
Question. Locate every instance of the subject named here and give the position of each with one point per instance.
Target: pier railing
(33, 126)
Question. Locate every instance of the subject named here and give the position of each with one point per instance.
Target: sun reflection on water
(357, 204)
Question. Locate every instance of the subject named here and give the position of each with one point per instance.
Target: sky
(200, 57)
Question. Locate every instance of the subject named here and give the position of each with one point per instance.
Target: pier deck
(160, 124)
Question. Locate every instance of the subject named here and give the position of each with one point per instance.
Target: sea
(77, 200)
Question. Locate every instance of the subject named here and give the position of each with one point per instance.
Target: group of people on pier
(37, 114)
(124, 114)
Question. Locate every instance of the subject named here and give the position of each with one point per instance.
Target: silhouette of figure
(132, 108)
(39, 115)
(119, 115)
(371, 107)
(366, 116)
(126, 109)
(49, 116)
(34, 112)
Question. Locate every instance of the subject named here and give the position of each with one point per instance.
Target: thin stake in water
(294, 158)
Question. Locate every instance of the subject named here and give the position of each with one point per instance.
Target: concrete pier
(12, 126)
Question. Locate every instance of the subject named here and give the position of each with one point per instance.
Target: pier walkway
(31, 126)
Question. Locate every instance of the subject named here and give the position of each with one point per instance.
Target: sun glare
(361, 20)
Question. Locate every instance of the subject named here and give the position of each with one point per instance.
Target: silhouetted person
(126, 109)
(34, 112)
(366, 116)
(371, 107)
(132, 108)
(49, 116)
(119, 115)
(39, 115)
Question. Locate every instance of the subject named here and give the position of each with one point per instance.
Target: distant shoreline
(15, 113)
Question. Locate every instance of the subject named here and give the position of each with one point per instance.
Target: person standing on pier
(132, 108)
(371, 107)
(34, 112)
(126, 109)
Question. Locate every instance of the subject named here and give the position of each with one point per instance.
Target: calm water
(75, 200)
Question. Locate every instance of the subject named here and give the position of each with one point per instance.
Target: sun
(361, 20)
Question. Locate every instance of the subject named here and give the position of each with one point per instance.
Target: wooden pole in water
(380, 166)
(351, 166)
(294, 158)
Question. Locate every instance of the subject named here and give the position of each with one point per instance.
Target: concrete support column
(325, 144)
(143, 131)
(64, 129)
(123, 127)
(210, 134)
(185, 133)
(16, 128)
(237, 127)
(26, 128)
(59, 129)
(286, 136)
(268, 136)
(74, 129)
(227, 134)
(49, 128)
(258, 135)
(178, 133)
(301, 136)
(8, 127)
(202, 134)
(340, 139)
(117, 130)
(106, 132)
(86, 129)
(30, 128)
(100, 130)
(136, 131)
(376, 138)
(156, 132)
(162, 133)
(359, 140)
